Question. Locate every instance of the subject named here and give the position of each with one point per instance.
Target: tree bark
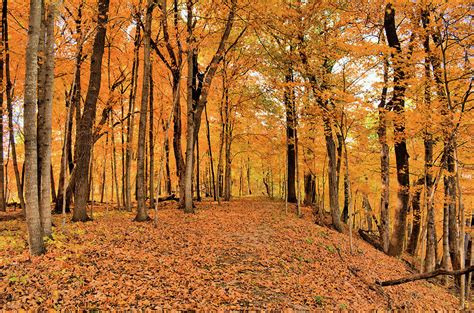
(33, 218)
(416, 209)
(131, 119)
(290, 134)
(85, 125)
(431, 240)
(384, 170)
(45, 124)
(398, 236)
(142, 212)
(151, 143)
(3, 204)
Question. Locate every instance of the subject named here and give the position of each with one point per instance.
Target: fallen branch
(371, 238)
(426, 276)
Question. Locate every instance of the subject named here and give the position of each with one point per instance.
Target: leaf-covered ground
(243, 254)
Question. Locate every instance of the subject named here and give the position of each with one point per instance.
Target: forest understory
(245, 254)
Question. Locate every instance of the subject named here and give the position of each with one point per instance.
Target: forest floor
(240, 255)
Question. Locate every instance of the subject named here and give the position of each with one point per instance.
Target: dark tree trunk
(85, 127)
(213, 178)
(401, 210)
(290, 137)
(3, 205)
(450, 199)
(309, 189)
(151, 150)
(345, 210)
(416, 209)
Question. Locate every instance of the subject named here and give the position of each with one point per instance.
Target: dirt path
(245, 254)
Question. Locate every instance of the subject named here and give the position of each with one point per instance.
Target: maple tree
(355, 115)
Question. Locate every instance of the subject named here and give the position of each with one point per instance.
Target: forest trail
(243, 254)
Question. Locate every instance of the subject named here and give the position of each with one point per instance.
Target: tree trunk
(142, 212)
(198, 173)
(131, 120)
(398, 236)
(3, 204)
(290, 134)
(332, 175)
(450, 198)
(85, 125)
(416, 209)
(9, 96)
(151, 144)
(431, 240)
(309, 189)
(33, 218)
(385, 163)
(213, 179)
(188, 177)
(345, 210)
(45, 124)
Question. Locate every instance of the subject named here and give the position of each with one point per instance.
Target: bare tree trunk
(398, 237)
(131, 119)
(114, 167)
(142, 212)
(198, 173)
(9, 95)
(416, 209)
(45, 124)
(3, 205)
(104, 165)
(85, 127)
(210, 155)
(332, 175)
(151, 143)
(33, 218)
(188, 176)
(450, 198)
(289, 100)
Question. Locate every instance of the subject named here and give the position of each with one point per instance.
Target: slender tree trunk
(45, 124)
(53, 185)
(3, 204)
(450, 198)
(142, 214)
(104, 165)
(9, 96)
(416, 208)
(131, 120)
(85, 127)
(151, 143)
(33, 218)
(290, 134)
(198, 173)
(211, 160)
(177, 129)
(431, 240)
(188, 177)
(114, 166)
